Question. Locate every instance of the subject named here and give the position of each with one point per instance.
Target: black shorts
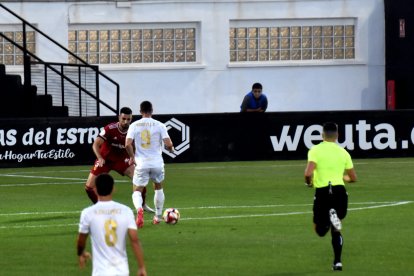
(325, 200)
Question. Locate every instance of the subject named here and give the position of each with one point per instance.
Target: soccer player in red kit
(109, 148)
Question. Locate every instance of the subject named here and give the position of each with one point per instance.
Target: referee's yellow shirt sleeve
(348, 162)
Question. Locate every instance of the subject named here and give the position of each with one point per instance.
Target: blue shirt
(250, 102)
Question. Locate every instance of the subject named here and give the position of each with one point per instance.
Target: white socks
(137, 199)
(159, 199)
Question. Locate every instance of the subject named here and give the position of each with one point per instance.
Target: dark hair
(125, 110)
(257, 86)
(330, 128)
(146, 107)
(104, 184)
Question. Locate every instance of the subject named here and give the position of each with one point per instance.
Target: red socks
(91, 194)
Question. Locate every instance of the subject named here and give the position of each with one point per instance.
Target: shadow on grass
(39, 219)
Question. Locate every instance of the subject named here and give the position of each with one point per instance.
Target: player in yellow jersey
(329, 167)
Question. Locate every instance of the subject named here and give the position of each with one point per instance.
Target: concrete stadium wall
(213, 84)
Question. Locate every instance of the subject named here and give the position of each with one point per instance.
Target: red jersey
(114, 146)
(112, 150)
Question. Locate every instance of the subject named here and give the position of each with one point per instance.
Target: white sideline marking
(297, 213)
(41, 177)
(38, 226)
(276, 205)
(381, 205)
(387, 203)
(276, 165)
(60, 171)
(75, 180)
(41, 184)
(40, 213)
(250, 216)
(21, 174)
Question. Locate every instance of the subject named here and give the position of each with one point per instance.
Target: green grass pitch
(237, 218)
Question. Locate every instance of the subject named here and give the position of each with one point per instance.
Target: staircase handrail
(49, 65)
(95, 68)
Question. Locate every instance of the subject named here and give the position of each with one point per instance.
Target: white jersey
(148, 135)
(107, 222)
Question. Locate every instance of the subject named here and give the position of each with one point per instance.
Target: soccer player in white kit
(108, 223)
(148, 136)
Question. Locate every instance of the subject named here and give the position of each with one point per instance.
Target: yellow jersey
(331, 162)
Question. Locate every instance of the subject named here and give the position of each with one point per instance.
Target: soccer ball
(171, 216)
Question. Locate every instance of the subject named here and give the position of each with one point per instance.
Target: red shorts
(119, 165)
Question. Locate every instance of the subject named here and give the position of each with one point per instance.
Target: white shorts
(142, 176)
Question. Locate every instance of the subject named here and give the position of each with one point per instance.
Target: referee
(329, 167)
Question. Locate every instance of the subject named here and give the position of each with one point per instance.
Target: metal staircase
(52, 89)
